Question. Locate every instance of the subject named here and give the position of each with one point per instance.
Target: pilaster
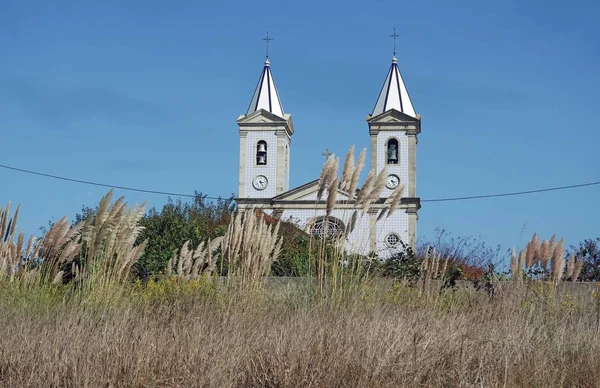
(374, 151)
(373, 230)
(281, 168)
(412, 163)
(242, 175)
(412, 228)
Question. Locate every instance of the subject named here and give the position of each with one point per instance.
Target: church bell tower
(265, 137)
(393, 129)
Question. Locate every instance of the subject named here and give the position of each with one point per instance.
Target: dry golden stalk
(378, 186)
(444, 267)
(425, 262)
(351, 223)
(356, 173)
(570, 267)
(436, 265)
(528, 255)
(348, 169)
(382, 213)
(532, 253)
(8, 226)
(558, 261)
(170, 264)
(4, 222)
(536, 247)
(373, 190)
(13, 228)
(552, 243)
(545, 254)
(395, 198)
(332, 192)
(328, 173)
(521, 264)
(577, 270)
(29, 249)
(425, 271)
(366, 188)
(514, 265)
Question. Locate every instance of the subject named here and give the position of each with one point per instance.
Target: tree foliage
(168, 228)
(589, 251)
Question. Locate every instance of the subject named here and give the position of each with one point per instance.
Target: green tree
(167, 229)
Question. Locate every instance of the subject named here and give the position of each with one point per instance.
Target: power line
(193, 196)
(511, 194)
(100, 184)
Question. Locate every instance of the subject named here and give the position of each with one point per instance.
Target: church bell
(392, 156)
(262, 148)
(261, 159)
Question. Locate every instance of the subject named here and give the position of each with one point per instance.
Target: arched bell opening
(261, 153)
(392, 153)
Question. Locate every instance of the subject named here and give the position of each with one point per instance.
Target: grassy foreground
(73, 317)
(380, 334)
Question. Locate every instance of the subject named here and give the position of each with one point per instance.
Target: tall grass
(348, 329)
(96, 253)
(544, 260)
(385, 335)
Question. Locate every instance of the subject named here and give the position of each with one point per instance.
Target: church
(266, 131)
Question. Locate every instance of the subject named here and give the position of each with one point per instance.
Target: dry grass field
(190, 334)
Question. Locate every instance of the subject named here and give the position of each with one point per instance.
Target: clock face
(260, 182)
(392, 181)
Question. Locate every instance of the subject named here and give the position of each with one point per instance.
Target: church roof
(394, 94)
(266, 96)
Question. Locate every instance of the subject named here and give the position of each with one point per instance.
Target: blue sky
(146, 94)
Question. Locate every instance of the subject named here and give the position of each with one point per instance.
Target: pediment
(261, 116)
(393, 116)
(308, 192)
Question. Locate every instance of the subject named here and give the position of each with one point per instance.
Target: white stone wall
(359, 240)
(269, 170)
(400, 169)
(397, 223)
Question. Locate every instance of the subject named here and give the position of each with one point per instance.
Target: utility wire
(193, 196)
(99, 184)
(511, 194)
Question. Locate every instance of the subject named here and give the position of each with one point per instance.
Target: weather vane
(394, 35)
(267, 40)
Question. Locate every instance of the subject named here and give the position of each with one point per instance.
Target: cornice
(405, 203)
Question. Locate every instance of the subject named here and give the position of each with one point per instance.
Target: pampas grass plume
(577, 270)
(358, 167)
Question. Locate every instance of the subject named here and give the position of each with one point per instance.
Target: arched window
(261, 152)
(327, 226)
(391, 154)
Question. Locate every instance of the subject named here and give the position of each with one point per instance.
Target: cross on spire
(327, 153)
(394, 36)
(267, 40)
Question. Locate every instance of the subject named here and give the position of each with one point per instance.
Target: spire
(266, 96)
(394, 94)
